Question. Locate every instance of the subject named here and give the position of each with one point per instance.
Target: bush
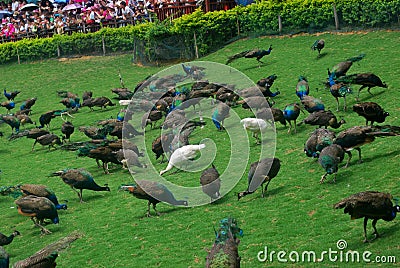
(212, 29)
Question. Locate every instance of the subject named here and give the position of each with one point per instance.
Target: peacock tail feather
(12, 191)
(356, 58)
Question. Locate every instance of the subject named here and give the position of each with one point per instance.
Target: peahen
(193, 71)
(370, 205)
(371, 111)
(220, 113)
(329, 159)
(154, 192)
(67, 128)
(48, 139)
(71, 102)
(39, 209)
(30, 134)
(302, 87)
(12, 121)
(224, 252)
(6, 240)
(366, 80)
(211, 183)
(323, 119)
(261, 172)
(318, 140)
(80, 179)
(271, 115)
(291, 112)
(11, 95)
(96, 133)
(357, 136)
(318, 45)
(256, 126)
(41, 191)
(254, 53)
(312, 104)
(341, 68)
(45, 118)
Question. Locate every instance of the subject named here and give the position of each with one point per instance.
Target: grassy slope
(297, 212)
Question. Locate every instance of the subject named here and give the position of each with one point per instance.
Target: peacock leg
(344, 104)
(323, 178)
(98, 163)
(337, 104)
(154, 207)
(359, 155)
(348, 160)
(374, 226)
(33, 146)
(365, 230)
(295, 130)
(290, 127)
(266, 186)
(370, 91)
(44, 231)
(148, 209)
(80, 196)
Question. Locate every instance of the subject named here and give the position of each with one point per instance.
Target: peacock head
(55, 220)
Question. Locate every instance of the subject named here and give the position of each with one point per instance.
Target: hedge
(212, 29)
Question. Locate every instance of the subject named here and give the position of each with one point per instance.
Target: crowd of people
(46, 17)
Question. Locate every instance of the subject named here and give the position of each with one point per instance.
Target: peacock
(193, 71)
(46, 257)
(80, 179)
(154, 192)
(30, 134)
(302, 87)
(39, 209)
(261, 172)
(71, 102)
(87, 95)
(341, 68)
(318, 45)
(371, 111)
(357, 136)
(291, 112)
(254, 103)
(67, 128)
(323, 119)
(9, 105)
(253, 53)
(312, 104)
(11, 95)
(220, 113)
(4, 258)
(24, 119)
(12, 121)
(329, 159)
(227, 95)
(159, 144)
(370, 205)
(48, 139)
(339, 90)
(256, 126)
(183, 155)
(101, 102)
(45, 118)
(366, 80)
(6, 240)
(28, 104)
(318, 140)
(211, 183)
(151, 117)
(96, 133)
(271, 115)
(41, 191)
(224, 252)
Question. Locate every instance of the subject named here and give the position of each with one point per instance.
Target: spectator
(15, 5)
(127, 12)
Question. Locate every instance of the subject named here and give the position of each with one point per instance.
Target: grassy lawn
(295, 215)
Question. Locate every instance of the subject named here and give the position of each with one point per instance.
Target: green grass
(296, 213)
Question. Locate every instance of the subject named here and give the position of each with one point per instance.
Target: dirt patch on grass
(73, 58)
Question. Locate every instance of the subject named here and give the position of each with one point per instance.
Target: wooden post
(279, 23)
(207, 4)
(104, 45)
(19, 62)
(58, 51)
(336, 16)
(237, 25)
(196, 49)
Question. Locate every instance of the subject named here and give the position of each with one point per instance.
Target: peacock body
(302, 87)
(329, 159)
(291, 112)
(369, 205)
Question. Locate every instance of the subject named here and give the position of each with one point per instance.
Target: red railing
(175, 11)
